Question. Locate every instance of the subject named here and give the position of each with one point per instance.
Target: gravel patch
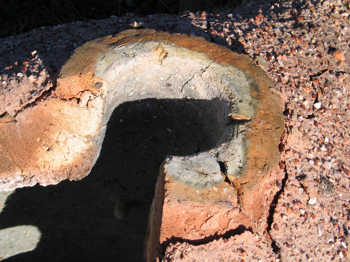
(304, 48)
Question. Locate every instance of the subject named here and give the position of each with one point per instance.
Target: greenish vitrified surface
(198, 171)
(135, 72)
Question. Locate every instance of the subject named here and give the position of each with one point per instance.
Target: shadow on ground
(20, 16)
(104, 216)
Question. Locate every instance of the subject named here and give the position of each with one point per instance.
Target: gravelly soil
(303, 46)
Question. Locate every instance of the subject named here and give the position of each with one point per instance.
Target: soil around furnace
(303, 47)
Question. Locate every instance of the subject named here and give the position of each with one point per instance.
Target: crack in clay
(276, 249)
(203, 70)
(197, 242)
(235, 186)
(300, 178)
(185, 84)
(43, 95)
(80, 99)
(223, 170)
(326, 70)
(340, 72)
(6, 118)
(318, 74)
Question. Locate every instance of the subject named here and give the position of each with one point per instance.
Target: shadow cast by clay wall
(105, 215)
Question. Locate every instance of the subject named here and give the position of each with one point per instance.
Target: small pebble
(98, 84)
(339, 56)
(323, 148)
(32, 78)
(312, 201)
(317, 105)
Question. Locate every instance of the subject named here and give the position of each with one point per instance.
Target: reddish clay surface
(303, 47)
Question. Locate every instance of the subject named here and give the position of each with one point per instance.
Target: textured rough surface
(303, 47)
(243, 128)
(22, 90)
(198, 171)
(243, 245)
(186, 214)
(107, 72)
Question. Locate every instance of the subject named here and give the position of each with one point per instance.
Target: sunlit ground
(18, 239)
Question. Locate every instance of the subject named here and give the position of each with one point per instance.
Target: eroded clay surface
(243, 129)
(87, 84)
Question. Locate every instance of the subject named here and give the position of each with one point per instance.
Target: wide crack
(276, 249)
(197, 242)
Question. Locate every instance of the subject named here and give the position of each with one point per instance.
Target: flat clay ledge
(59, 136)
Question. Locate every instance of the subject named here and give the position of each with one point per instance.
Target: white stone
(317, 105)
(312, 201)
